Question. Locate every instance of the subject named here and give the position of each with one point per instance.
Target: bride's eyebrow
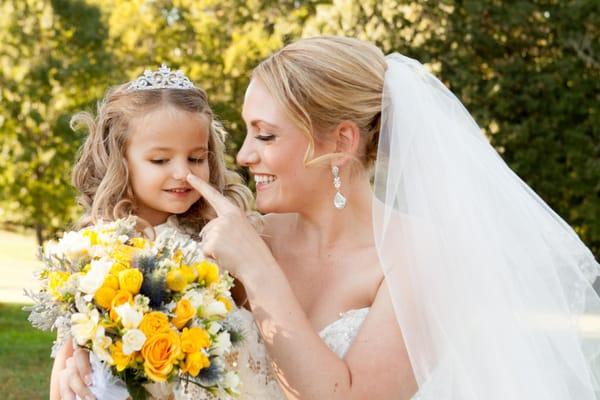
(258, 123)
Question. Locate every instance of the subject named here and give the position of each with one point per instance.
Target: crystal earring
(339, 201)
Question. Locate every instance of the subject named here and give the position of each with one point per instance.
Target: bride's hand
(230, 238)
(73, 379)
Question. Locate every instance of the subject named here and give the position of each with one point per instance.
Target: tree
(529, 72)
(53, 62)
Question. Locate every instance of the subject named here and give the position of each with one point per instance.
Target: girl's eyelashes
(194, 160)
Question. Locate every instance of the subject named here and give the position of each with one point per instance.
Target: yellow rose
(207, 272)
(56, 280)
(226, 302)
(121, 361)
(138, 242)
(194, 339)
(122, 297)
(160, 353)
(176, 281)
(131, 280)
(111, 281)
(184, 312)
(104, 296)
(123, 253)
(154, 322)
(118, 267)
(189, 273)
(194, 363)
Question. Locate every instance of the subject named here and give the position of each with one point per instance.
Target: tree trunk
(39, 234)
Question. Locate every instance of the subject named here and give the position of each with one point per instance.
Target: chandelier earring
(339, 201)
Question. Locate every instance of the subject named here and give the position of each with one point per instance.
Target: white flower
(133, 340)
(92, 281)
(83, 326)
(214, 327)
(100, 345)
(214, 308)
(222, 344)
(195, 297)
(232, 382)
(73, 244)
(142, 302)
(130, 315)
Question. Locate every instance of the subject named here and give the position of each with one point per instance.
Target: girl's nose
(181, 171)
(247, 155)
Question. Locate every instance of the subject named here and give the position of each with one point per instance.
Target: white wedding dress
(252, 363)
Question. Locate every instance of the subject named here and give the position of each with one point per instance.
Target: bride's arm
(375, 367)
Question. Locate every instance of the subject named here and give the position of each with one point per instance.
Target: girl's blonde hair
(101, 175)
(323, 81)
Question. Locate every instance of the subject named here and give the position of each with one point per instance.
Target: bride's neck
(325, 226)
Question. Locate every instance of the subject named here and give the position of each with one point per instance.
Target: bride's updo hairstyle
(323, 81)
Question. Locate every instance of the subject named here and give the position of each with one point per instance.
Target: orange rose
(194, 339)
(154, 322)
(184, 312)
(194, 363)
(122, 297)
(161, 352)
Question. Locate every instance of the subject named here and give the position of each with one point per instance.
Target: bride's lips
(263, 181)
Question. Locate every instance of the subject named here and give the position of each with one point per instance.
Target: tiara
(162, 78)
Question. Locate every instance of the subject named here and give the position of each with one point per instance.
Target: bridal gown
(252, 363)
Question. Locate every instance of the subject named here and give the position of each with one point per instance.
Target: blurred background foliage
(529, 72)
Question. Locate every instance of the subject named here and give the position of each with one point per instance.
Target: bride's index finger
(213, 196)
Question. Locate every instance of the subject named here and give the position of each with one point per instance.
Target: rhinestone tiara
(163, 78)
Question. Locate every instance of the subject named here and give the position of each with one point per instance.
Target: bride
(448, 279)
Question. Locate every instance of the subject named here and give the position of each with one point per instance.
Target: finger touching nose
(180, 171)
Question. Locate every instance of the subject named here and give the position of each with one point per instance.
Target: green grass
(25, 362)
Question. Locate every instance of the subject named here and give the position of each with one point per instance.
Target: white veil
(488, 283)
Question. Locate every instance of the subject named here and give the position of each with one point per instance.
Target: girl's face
(274, 150)
(164, 146)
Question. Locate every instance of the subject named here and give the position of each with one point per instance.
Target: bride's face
(273, 150)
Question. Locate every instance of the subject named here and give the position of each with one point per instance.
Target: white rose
(222, 344)
(133, 340)
(83, 326)
(92, 281)
(130, 316)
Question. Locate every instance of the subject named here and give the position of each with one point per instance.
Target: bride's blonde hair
(322, 81)
(101, 175)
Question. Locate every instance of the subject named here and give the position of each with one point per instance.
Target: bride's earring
(339, 201)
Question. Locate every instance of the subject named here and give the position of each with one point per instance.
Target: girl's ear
(347, 140)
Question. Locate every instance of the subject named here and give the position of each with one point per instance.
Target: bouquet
(151, 312)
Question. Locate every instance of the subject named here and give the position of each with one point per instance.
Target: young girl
(148, 135)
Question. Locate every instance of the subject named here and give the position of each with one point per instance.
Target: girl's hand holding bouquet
(152, 313)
